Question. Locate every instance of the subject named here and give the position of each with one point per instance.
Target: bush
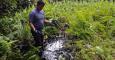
(5, 45)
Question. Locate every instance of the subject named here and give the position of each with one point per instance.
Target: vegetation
(92, 22)
(9, 7)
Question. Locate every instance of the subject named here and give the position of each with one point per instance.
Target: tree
(8, 7)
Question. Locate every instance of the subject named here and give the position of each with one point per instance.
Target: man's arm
(32, 26)
(31, 17)
(47, 21)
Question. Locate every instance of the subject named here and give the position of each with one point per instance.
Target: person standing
(37, 20)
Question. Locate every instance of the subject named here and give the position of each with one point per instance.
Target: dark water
(54, 50)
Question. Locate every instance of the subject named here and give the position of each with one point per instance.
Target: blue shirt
(37, 18)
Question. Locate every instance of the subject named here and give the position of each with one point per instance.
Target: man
(37, 20)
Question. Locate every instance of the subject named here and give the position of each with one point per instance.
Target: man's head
(40, 5)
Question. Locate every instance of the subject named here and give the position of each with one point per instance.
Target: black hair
(40, 2)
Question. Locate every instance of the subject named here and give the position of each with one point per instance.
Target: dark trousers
(38, 38)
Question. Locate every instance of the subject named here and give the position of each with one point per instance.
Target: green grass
(93, 23)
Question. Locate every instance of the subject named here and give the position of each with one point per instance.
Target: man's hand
(38, 32)
(48, 21)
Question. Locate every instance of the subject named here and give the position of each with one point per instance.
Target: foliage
(9, 7)
(95, 51)
(5, 45)
(88, 22)
(93, 23)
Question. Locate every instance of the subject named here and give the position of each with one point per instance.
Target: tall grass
(93, 23)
